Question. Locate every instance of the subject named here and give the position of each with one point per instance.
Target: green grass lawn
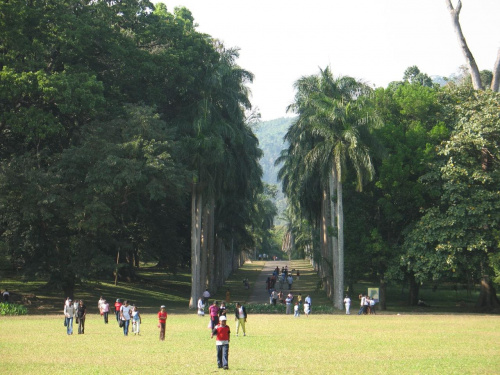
(433, 340)
(319, 344)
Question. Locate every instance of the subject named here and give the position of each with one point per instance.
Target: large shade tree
(95, 100)
(458, 237)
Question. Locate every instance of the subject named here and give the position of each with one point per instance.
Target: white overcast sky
(372, 40)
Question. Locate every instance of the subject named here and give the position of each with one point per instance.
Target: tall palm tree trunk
(196, 208)
(333, 181)
(326, 253)
(339, 275)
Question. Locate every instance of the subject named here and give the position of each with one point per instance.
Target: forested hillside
(271, 140)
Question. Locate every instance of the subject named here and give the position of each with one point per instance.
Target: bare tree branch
(469, 58)
(495, 83)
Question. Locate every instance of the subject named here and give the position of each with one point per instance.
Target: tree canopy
(109, 110)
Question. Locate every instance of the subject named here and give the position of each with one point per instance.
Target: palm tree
(331, 132)
(220, 148)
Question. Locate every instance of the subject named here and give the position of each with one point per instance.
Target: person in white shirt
(136, 320)
(296, 312)
(307, 308)
(125, 314)
(201, 307)
(6, 296)
(99, 303)
(347, 303)
(105, 311)
(69, 315)
(241, 318)
(372, 306)
(274, 297)
(307, 301)
(361, 303)
(206, 296)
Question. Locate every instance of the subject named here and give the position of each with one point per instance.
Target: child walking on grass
(162, 320)
(136, 321)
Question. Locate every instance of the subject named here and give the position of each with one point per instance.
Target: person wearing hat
(223, 336)
(69, 314)
(162, 320)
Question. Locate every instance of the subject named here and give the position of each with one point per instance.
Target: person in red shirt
(223, 336)
(118, 306)
(162, 319)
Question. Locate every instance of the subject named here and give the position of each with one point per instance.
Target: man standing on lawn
(81, 314)
(223, 336)
(241, 318)
(69, 314)
(125, 315)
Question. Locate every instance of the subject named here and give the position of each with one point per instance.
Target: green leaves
(457, 236)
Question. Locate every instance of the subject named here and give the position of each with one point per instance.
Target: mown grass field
(279, 344)
(442, 339)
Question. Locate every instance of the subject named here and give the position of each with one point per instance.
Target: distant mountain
(270, 135)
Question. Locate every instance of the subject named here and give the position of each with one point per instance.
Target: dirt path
(306, 285)
(259, 292)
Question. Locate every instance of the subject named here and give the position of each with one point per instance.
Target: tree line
(126, 135)
(396, 184)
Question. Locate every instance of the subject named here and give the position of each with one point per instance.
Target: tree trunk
(325, 263)
(383, 295)
(469, 58)
(339, 282)
(487, 297)
(116, 269)
(332, 182)
(196, 205)
(414, 290)
(68, 286)
(495, 83)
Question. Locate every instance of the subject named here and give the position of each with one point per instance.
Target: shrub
(281, 309)
(12, 309)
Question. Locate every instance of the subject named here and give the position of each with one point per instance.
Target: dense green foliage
(430, 215)
(12, 309)
(108, 113)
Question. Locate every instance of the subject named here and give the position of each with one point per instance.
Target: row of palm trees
(330, 136)
(224, 153)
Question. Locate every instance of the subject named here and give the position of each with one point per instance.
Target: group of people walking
(283, 277)
(367, 305)
(74, 310)
(125, 314)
